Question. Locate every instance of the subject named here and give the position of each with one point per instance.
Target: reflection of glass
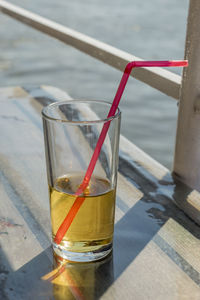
(81, 281)
(71, 131)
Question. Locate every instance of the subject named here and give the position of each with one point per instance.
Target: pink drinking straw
(79, 200)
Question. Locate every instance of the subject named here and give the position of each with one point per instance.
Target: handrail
(161, 79)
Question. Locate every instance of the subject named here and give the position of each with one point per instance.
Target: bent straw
(79, 200)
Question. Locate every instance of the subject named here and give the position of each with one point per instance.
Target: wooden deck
(156, 246)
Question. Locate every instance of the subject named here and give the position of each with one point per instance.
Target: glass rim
(45, 114)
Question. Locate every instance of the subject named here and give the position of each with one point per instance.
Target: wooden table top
(156, 246)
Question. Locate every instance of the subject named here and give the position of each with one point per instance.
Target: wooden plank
(155, 246)
(184, 243)
(161, 79)
(153, 275)
(187, 158)
(18, 239)
(144, 162)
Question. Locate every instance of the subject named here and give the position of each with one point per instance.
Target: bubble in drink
(93, 226)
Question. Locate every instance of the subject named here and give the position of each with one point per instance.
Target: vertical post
(187, 151)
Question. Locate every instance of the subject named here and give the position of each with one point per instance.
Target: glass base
(102, 252)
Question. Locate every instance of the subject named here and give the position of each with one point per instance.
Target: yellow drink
(92, 227)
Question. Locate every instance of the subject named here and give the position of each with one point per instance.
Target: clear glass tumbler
(71, 132)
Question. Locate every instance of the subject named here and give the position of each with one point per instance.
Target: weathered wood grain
(155, 253)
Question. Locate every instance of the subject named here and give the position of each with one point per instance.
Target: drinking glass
(71, 132)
